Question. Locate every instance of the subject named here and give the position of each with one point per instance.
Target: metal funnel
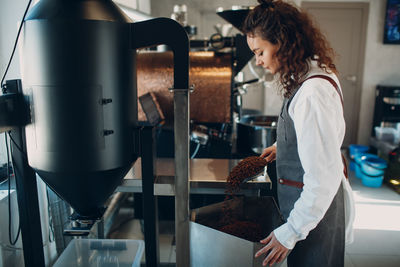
(85, 192)
(235, 16)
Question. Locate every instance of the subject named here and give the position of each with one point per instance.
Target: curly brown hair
(298, 40)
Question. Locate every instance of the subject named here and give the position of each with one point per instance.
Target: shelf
(207, 176)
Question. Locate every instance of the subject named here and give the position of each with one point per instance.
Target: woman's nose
(258, 61)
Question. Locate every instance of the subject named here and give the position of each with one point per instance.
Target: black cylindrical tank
(77, 65)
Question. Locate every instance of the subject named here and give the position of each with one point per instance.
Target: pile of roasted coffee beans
(248, 230)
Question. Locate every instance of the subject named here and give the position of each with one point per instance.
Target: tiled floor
(377, 229)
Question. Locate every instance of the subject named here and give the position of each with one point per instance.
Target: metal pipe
(147, 147)
(171, 33)
(166, 31)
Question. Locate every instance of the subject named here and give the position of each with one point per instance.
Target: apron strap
(329, 79)
(290, 183)
(345, 172)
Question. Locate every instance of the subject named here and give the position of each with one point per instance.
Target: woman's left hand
(277, 253)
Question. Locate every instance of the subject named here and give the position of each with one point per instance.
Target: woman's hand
(277, 252)
(269, 153)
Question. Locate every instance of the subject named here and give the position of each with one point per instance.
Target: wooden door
(345, 24)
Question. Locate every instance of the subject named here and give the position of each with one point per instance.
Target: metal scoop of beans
(247, 170)
(261, 173)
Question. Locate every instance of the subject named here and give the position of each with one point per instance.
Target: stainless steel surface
(223, 250)
(201, 170)
(211, 74)
(207, 176)
(256, 132)
(211, 247)
(181, 133)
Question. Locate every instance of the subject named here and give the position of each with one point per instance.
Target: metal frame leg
(27, 196)
(28, 203)
(100, 228)
(181, 132)
(148, 154)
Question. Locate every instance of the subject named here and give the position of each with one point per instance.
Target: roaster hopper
(211, 247)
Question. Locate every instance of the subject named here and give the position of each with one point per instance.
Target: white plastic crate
(102, 252)
(387, 134)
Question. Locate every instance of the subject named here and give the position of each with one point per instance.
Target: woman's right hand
(269, 153)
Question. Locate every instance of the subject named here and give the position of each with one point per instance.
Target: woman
(313, 192)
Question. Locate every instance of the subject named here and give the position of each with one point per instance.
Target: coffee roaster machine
(216, 104)
(219, 127)
(73, 119)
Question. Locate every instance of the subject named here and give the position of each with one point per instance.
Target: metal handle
(351, 78)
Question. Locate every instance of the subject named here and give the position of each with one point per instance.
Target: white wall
(382, 65)
(141, 5)
(11, 12)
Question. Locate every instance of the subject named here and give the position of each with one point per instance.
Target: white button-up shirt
(317, 113)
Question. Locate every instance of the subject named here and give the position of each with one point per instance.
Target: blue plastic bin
(353, 150)
(372, 170)
(357, 159)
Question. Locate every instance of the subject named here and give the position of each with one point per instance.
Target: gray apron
(324, 246)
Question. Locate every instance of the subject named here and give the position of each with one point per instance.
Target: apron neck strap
(329, 79)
